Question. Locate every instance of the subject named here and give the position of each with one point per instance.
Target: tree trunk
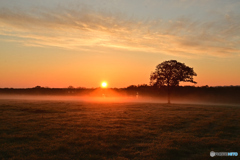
(169, 94)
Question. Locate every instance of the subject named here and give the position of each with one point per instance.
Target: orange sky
(80, 45)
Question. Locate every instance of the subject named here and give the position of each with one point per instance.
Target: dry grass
(121, 131)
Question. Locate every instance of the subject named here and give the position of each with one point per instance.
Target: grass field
(121, 131)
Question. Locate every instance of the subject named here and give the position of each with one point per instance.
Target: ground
(55, 129)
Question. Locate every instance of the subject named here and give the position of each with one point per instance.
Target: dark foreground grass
(121, 131)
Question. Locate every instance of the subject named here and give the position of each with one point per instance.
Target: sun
(104, 84)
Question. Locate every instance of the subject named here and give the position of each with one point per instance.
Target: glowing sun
(104, 84)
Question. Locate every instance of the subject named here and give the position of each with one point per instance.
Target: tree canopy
(170, 73)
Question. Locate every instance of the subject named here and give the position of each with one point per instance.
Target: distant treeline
(227, 94)
(219, 94)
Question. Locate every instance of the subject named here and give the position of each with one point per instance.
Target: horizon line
(46, 87)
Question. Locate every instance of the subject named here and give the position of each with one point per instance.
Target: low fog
(87, 98)
(112, 96)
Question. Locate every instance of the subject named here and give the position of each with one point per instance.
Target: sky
(80, 43)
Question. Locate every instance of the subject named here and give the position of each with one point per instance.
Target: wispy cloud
(85, 29)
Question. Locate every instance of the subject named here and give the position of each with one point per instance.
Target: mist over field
(120, 124)
(141, 93)
(103, 99)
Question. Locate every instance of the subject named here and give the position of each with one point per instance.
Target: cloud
(85, 29)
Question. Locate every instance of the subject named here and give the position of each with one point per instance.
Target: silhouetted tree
(170, 73)
(70, 87)
(38, 87)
